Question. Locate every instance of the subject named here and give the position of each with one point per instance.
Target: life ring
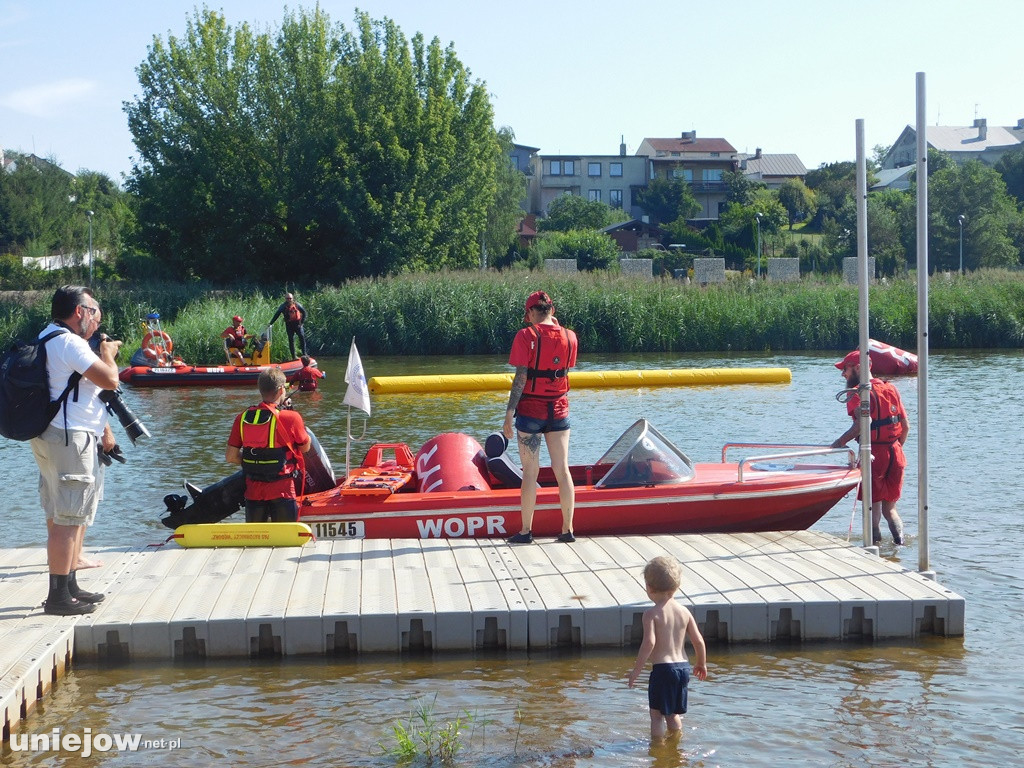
(165, 346)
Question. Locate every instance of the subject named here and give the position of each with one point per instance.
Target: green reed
(426, 737)
(478, 313)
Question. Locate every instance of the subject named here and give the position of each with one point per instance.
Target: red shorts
(887, 465)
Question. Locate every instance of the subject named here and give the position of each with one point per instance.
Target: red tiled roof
(695, 145)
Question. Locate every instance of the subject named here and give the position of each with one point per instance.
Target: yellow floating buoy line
(672, 377)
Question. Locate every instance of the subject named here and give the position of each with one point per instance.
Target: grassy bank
(474, 313)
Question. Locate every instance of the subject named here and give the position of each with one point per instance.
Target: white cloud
(49, 99)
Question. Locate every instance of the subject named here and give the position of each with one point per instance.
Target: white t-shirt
(65, 354)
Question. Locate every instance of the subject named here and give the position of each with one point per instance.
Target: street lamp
(757, 220)
(89, 215)
(960, 220)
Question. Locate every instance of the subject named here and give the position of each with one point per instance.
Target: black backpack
(25, 406)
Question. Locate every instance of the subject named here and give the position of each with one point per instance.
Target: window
(568, 168)
(593, 169)
(715, 154)
(685, 174)
(556, 168)
(515, 162)
(594, 195)
(614, 169)
(615, 198)
(712, 174)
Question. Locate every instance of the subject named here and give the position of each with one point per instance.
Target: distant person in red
(542, 353)
(889, 431)
(294, 319)
(305, 379)
(235, 338)
(268, 441)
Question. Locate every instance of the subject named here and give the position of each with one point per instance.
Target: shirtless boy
(666, 626)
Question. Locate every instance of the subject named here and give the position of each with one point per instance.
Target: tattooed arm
(518, 385)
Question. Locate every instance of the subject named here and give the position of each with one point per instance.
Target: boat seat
(504, 471)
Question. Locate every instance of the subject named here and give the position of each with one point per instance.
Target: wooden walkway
(364, 596)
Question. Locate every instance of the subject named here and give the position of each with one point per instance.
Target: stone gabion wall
(567, 266)
(850, 269)
(637, 267)
(709, 270)
(784, 270)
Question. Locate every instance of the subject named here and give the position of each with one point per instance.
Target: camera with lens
(116, 406)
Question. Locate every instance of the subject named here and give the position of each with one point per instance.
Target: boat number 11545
(353, 529)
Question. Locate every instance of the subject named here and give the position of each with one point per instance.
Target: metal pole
(960, 220)
(89, 215)
(864, 388)
(922, 332)
(757, 220)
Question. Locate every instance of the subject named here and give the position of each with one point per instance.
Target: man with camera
(70, 472)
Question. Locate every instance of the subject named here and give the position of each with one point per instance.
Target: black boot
(80, 594)
(60, 602)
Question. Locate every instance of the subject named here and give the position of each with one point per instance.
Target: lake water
(936, 702)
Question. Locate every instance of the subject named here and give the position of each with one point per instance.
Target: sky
(570, 76)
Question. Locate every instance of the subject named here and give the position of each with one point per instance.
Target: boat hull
(201, 375)
(714, 501)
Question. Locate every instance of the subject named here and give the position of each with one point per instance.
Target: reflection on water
(934, 702)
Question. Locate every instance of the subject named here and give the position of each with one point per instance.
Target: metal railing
(795, 452)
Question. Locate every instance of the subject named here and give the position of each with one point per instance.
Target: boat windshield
(642, 456)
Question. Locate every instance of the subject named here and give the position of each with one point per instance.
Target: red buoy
(451, 462)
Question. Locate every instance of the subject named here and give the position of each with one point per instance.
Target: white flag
(358, 393)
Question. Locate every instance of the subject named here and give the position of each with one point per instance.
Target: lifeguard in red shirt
(268, 442)
(538, 405)
(305, 379)
(235, 338)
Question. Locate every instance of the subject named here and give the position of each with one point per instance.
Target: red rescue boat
(642, 485)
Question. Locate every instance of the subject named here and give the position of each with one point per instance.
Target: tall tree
(667, 200)
(316, 152)
(572, 212)
(1011, 168)
(798, 200)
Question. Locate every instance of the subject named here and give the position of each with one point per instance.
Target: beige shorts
(70, 476)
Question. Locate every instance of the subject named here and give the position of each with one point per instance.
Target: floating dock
(672, 377)
(363, 596)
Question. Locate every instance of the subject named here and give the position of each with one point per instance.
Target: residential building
(699, 162)
(962, 143)
(524, 158)
(771, 170)
(610, 179)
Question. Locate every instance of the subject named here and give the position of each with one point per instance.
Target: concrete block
(784, 270)
(709, 270)
(643, 268)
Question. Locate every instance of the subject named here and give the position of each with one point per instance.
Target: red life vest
(266, 451)
(307, 379)
(292, 313)
(237, 338)
(547, 376)
(886, 409)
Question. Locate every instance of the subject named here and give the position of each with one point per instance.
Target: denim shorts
(538, 426)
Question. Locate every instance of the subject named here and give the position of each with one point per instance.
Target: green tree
(799, 201)
(834, 185)
(591, 249)
(568, 212)
(992, 218)
(667, 200)
(313, 152)
(738, 188)
(1011, 168)
(504, 213)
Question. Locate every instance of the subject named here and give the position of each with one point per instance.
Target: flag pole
(355, 377)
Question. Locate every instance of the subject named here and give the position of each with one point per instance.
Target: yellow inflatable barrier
(673, 377)
(243, 535)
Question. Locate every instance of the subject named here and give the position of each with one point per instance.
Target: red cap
(537, 297)
(236, 319)
(851, 360)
